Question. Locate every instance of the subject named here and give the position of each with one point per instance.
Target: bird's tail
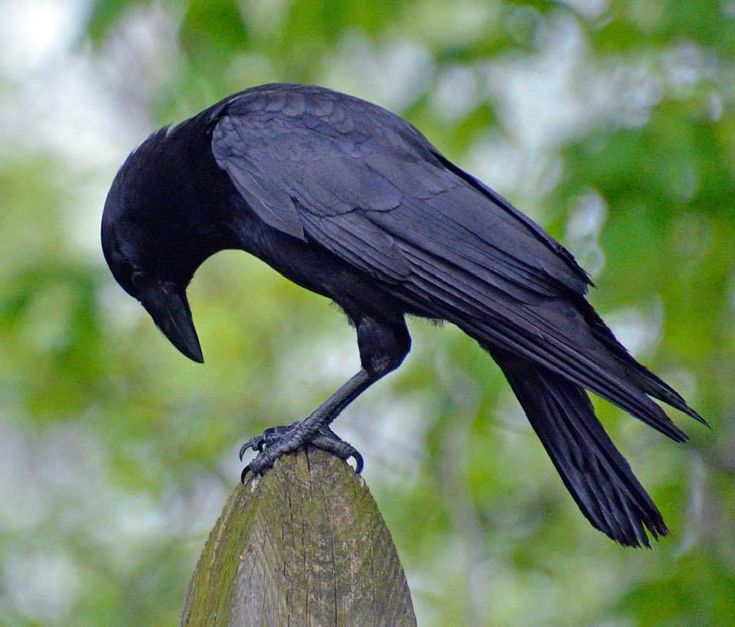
(593, 470)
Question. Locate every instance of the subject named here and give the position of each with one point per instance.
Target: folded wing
(370, 188)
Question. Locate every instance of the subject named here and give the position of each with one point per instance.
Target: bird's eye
(139, 279)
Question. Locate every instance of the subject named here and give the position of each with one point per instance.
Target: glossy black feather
(352, 202)
(374, 191)
(593, 470)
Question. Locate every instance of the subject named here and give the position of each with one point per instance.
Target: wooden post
(303, 545)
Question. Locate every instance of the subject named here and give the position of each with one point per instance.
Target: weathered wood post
(303, 545)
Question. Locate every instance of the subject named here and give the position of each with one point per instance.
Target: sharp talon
(359, 463)
(244, 473)
(257, 444)
(244, 448)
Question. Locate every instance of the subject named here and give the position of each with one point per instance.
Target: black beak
(170, 311)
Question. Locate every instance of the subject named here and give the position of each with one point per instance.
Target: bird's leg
(383, 345)
(276, 441)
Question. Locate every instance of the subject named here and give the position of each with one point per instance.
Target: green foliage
(211, 32)
(117, 454)
(104, 15)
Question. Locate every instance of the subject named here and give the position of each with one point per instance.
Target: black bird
(352, 202)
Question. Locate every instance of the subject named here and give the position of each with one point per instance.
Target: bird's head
(145, 243)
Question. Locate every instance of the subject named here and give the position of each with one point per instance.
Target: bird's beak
(168, 307)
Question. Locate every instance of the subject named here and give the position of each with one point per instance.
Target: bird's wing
(370, 188)
(347, 172)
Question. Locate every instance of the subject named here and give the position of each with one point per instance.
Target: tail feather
(649, 382)
(593, 470)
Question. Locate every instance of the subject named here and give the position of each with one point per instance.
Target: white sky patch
(33, 33)
(683, 382)
(393, 74)
(455, 92)
(637, 329)
(686, 64)
(63, 100)
(589, 9)
(539, 106)
(57, 487)
(118, 309)
(583, 231)
(589, 217)
(42, 585)
(535, 94)
(560, 92)
(390, 432)
(326, 361)
(23, 504)
(496, 160)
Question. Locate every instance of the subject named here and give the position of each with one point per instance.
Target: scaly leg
(383, 345)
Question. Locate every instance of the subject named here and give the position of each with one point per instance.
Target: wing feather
(367, 186)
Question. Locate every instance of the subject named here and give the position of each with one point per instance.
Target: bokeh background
(611, 122)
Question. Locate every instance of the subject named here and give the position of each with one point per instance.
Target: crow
(352, 202)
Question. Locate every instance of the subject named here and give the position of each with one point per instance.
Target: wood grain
(303, 545)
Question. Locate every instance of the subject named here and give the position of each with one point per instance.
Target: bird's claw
(257, 444)
(276, 441)
(260, 442)
(259, 465)
(359, 461)
(338, 447)
(252, 443)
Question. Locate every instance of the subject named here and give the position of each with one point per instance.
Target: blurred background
(611, 122)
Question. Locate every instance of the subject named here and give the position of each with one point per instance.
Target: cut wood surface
(303, 545)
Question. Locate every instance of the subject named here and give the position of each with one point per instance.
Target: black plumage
(352, 202)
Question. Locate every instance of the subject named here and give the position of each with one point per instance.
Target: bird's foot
(276, 441)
